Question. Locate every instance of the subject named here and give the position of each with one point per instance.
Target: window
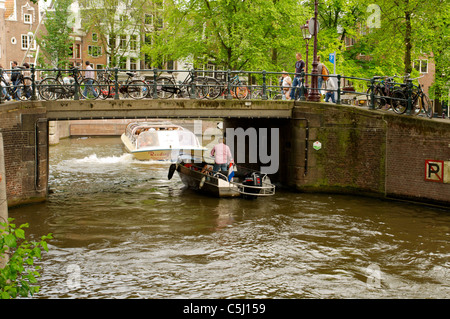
(349, 42)
(112, 42)
(94, 37)
(170, 65)
(94, 51)
(123, 42)
(148, 18)
(133, 64)
(123, 63)
(133, 42)
(421, 66)
(27, 18)
(159, 23)
(25, 42)
(210, 67)
(77, 51)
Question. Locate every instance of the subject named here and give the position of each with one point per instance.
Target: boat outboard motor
(253, 179)
(172, 169)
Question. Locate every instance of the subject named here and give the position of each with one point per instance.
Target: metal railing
(198, 84)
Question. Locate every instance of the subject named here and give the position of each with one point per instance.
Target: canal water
(123, 230)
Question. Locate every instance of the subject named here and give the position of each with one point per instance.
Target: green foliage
(111, 19)
(265, 34)
(55, 43)
(233, 34)
(19, 276)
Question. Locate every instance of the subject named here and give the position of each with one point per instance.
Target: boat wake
(94, 159)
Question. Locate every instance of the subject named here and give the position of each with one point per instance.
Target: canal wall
(25, 149)
(354, 150)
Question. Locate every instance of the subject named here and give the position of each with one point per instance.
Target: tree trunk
(274, 56)
(408, 45)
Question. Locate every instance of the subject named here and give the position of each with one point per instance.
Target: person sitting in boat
(222, 156)
(206, 169)
(146, 139)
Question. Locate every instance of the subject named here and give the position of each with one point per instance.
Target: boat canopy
(167, 139)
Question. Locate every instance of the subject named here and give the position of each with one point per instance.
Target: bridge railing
(50, 84)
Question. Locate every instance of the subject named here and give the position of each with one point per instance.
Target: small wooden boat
(158, 140)
(239, 181)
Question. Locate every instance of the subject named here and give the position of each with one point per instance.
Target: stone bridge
(322, 147)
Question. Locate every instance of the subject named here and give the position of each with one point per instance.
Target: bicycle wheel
(89, 89)
(256, 94)
(379, 99)
(165, 88)
(212, 89)
(399, 102)
(274, 94)
(137, 89)
(2, 93)
(26, 89)
(105, 89)
(49, 89)
(200, 88)
(427, 107)
(151, 88)
(241, 92)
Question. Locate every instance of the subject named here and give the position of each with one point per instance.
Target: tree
(400, 37)
(117, 23)
(55, 42)
(233, 34)
(437, 37)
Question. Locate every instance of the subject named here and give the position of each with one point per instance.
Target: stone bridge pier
(25, 149)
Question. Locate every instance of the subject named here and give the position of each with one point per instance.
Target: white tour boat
(159, 140)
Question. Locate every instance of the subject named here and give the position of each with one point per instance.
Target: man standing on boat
(222, 156)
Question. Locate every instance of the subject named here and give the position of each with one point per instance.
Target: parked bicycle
(191, 86)
(238, 88)
(271, 92)
(133, 88)
(420, 102)
(65, 87)
(11, 91)
(382, 92)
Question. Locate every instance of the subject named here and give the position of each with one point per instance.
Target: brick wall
(26, 173)
(410, 143)
(376, 153)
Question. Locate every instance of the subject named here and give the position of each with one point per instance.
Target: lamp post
(314, 96)
(306, 36)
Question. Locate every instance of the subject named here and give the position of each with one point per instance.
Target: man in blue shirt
(299, 67)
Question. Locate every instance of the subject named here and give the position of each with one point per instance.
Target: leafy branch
(19, 275)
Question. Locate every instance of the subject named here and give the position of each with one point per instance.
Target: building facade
(20, 20)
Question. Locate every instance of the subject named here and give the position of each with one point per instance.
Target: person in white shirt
(286, 86)
(331, 87)
(4, 83)
(89, 74)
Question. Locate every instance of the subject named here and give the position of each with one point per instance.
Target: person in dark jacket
(299, 67)
(16, 80)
